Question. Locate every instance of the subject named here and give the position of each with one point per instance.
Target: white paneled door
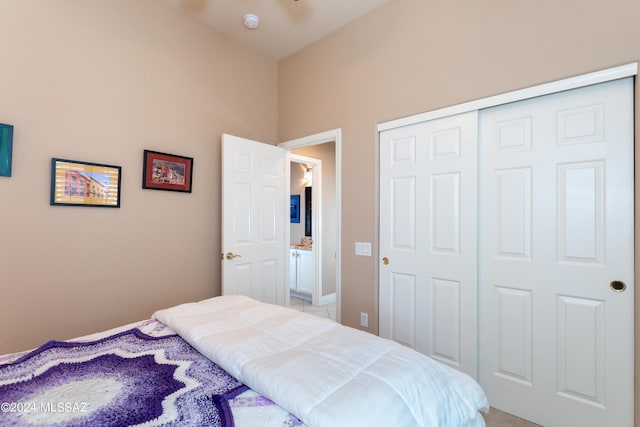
(555, 254)
(253, 219)
(507, 247)
(428, 239)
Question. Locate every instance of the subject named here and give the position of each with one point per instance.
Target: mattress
(232, 361)
(324, 373)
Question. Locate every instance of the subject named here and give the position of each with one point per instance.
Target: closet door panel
(513, 334)
(403, 214)
(403, 296)
(445, 213)
(556, 230)
(581, 212)
(398, 307)
(446, 321)
(428, 232)
(513, 221)
(581, 352)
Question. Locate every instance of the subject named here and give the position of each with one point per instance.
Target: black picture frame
(78, 183)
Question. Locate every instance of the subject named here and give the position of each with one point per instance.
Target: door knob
(231, 255)
(385, 261)
(618, 286)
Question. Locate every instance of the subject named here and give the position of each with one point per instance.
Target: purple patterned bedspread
(124, 379)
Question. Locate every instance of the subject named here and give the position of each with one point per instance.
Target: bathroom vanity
(302, 270)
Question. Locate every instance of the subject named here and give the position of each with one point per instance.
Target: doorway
(326, 147)
(305, 230)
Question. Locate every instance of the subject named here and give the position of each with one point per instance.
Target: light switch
(363, 248)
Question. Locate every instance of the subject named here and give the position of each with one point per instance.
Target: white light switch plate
(363, 248)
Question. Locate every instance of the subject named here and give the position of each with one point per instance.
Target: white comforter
(325, 373)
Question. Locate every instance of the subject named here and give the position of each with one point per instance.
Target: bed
(233, 361)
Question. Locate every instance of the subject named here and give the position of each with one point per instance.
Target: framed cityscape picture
(76, 183)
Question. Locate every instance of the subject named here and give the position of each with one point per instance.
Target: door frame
(316, 219)
(335, 136)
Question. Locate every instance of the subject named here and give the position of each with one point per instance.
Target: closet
(506, 246)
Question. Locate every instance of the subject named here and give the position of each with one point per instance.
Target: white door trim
(334, 135)
(601, 76)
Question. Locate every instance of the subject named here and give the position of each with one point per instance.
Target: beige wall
(101, 81)
(412, 56)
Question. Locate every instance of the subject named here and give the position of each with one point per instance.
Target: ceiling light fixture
(251, 21)
(308, 176)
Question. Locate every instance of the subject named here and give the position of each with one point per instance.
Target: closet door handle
(618, 286)
(385, 261)
(231, 255)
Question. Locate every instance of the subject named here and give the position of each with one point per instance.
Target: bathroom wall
(298, 185)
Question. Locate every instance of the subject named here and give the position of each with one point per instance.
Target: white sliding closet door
(556, 233)
(428, 239)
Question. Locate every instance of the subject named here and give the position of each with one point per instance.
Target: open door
(253, 219)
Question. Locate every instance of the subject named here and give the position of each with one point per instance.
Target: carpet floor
(497, 418)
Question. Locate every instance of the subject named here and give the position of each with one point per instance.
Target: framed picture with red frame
(163, 171)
